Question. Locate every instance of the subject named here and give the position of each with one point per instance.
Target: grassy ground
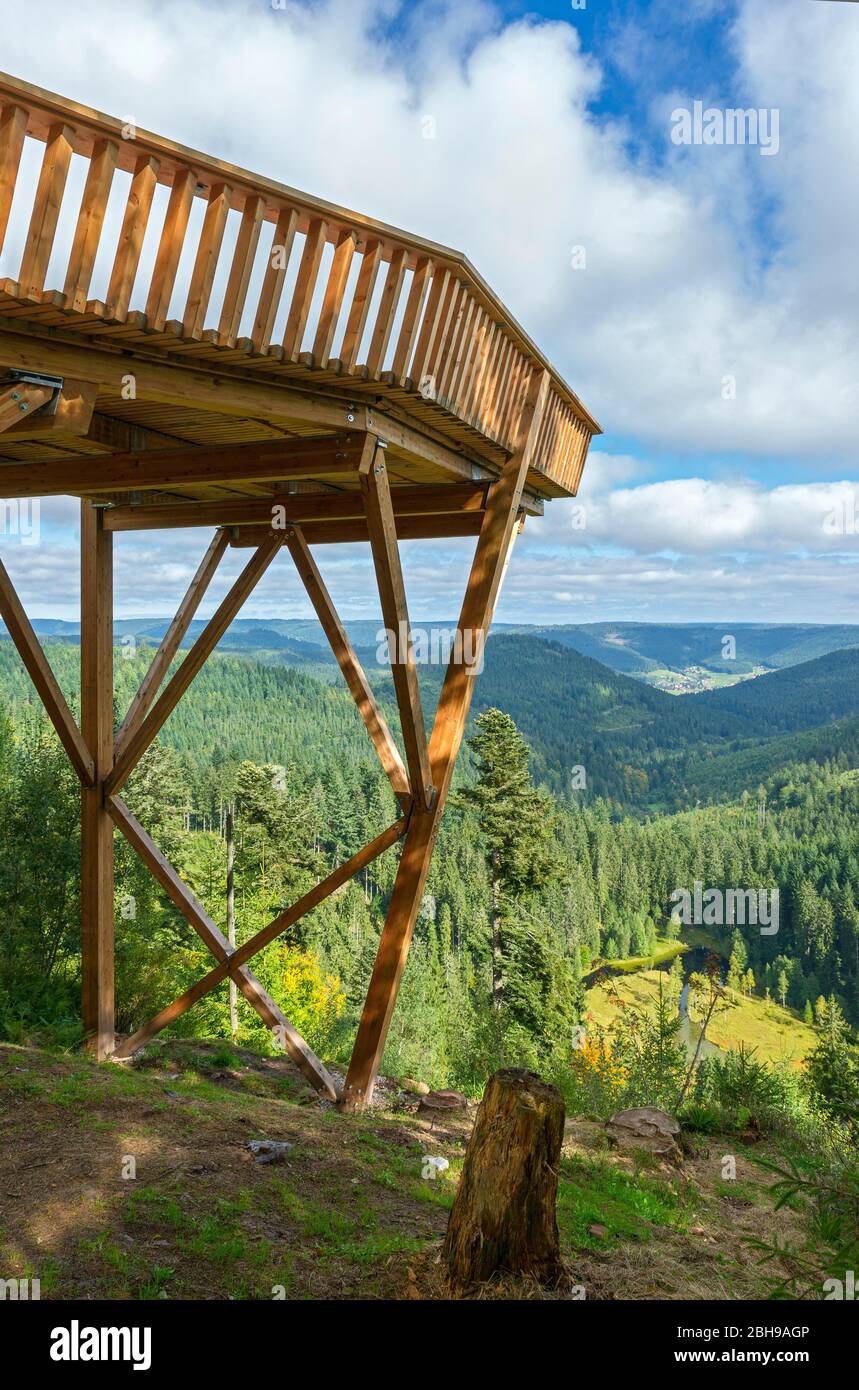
(348, 1215)
(779, 1034)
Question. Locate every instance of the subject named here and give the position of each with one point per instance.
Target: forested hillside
(290, 755)
(593, 732)
(800, 697)
(548, 903)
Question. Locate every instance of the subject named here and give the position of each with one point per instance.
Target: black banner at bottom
(260, 1339)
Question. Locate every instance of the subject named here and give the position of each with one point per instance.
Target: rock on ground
(645, 1127)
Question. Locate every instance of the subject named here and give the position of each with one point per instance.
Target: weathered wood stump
(503, 1218)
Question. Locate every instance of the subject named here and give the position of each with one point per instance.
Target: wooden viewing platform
(324, 378)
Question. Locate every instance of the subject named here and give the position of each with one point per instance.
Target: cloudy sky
(701, 298)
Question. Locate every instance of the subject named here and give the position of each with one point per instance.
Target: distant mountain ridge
(637, 745)
(635, 649)
(798, 697)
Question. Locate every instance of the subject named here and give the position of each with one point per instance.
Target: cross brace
(104, 760)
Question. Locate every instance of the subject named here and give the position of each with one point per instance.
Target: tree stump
(503, 1218)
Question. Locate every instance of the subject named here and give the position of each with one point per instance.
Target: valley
(585, 797)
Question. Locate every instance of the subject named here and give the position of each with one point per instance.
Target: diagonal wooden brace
(232, 961)
(135, 746)
(181, 895)
(487, 572)
(347, 660)
(172, 640)
(19, 401)
(392, 593)
(40, 673)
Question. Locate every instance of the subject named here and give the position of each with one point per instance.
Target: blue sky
(713, 329)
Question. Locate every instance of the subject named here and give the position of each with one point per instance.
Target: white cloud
(714, 262)
(682, 285)
(698, 516)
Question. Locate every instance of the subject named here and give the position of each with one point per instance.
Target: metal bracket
(55, 383)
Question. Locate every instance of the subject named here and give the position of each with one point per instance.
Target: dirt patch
(136, 1182)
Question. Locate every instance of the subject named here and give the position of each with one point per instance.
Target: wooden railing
(258, 273)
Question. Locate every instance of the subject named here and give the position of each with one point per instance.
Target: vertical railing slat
(127, 259)
(411, 318)
(13, 128)
(89, 225)
(473, 396)
(357, 321)
(206, 261)
(447, 325)
(46, 210)
(462, 316)
(429, 328)
(334, 292)
(240, 270)
(387, 310)
(170, 247)
(499, 387)
(305, 285)
(275, 274)
(467, 357)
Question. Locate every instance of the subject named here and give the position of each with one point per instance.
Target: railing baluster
(494, 384)
(580, 453)
(357, 320)
(500, 395)
(333, 301)
(459, 326)
(275, 274)
(440, 348)
(170, 247)
(206, 262)
(13, 128)
(305, 285)
(563, 471)
(127, 259)
(517, 385)
(429, 328)
(90, 221)
(411, 318)
(468, 356)
(240, 270)
(484, 358)
(387, 311)
(46, 210)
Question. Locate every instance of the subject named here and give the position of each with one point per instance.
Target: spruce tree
(515, 820)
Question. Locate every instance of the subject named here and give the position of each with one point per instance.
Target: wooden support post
(97, 918)
(487, 571)
(231, 915)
